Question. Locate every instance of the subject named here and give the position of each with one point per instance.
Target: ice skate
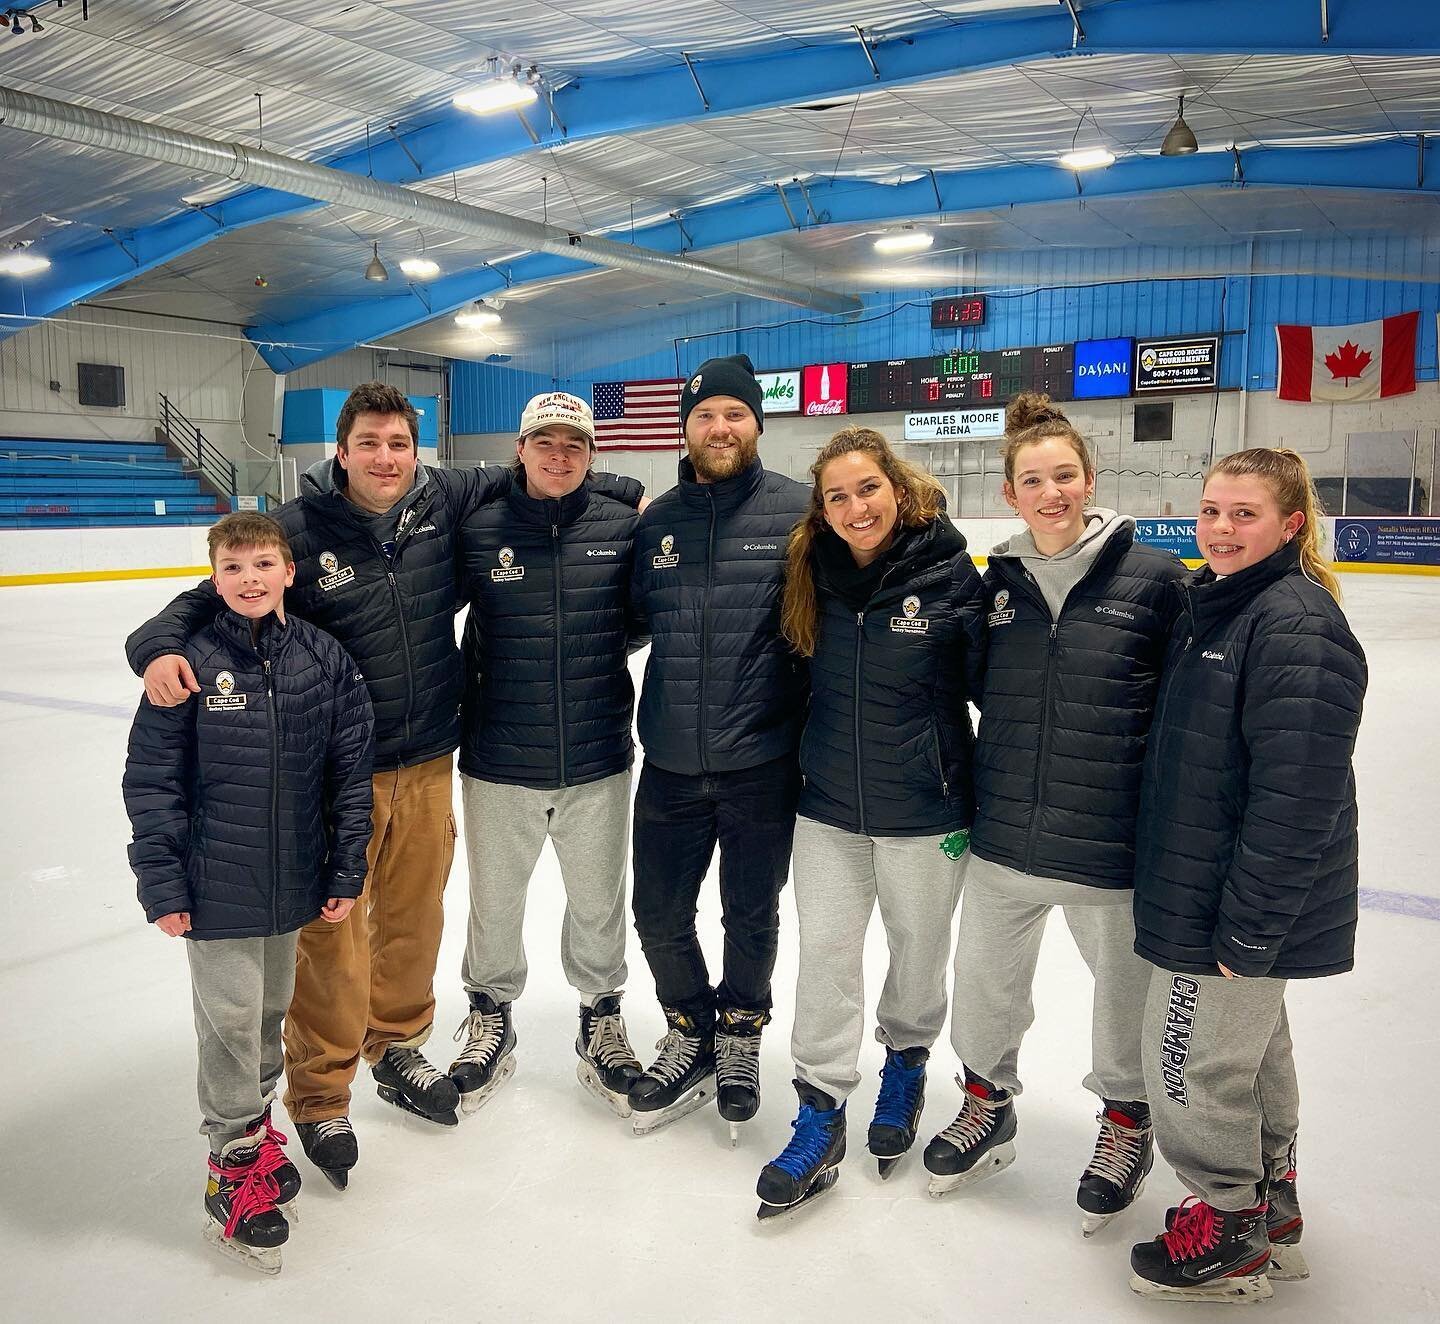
(608, 1066)
(1206, 1254)
(898, 1107)
(737, 1065)
(403, 1077)
(285, 1173)
(331, 1146)
(1124, 1154)
(810, 1164)
(241, 1219)
(1284, 1225)
(488, 1059)
(681, 1078)
(980, 1141)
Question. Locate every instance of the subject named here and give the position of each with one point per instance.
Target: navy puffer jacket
(887, 748)
(250, 804)
(723, 691)
(1068, 704)
(548, 697)
(1248, 849)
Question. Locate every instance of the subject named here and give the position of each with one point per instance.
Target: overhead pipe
(248, 165)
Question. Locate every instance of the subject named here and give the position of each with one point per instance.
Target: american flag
(637, 415)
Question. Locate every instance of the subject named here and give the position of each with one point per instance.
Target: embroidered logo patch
(695, 384)
(1003, 613)
(328, 563)
(668, 555)
(910, 622)
(224, 682)
(226, 700)
(335, 574)
(508, 571)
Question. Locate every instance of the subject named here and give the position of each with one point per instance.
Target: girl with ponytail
(1246, 873)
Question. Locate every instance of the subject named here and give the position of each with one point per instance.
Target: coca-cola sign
(824, 388)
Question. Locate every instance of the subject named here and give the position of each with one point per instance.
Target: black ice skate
(1206, 1255)
(240, 1214)
(285, 1173)
(403, 1077)
(980, 1141)
(331, 1146)
(898, 1107)
(608, 1066)
(1284, 1225)
(737, 1065)
(810, 1164)
(488, 1059)
(1124, 1154)
(680, 1079)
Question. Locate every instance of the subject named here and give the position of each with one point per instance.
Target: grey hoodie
(1057, 575)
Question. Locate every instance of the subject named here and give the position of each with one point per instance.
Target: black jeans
(679, 819)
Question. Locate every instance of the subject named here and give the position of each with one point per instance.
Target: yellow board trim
(97, 576)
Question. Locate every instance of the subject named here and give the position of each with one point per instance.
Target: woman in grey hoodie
(1078, 616)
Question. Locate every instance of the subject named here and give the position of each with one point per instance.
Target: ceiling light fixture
(1180, 141)
(420, 268)
(1087, 158)
(18, 262)
(904, 241)
(376, 269)
(476, 319)
(499, 94)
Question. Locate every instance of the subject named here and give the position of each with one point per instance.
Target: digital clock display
(961, 379)
(959, 310)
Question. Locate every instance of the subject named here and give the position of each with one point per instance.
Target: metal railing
(208, 460)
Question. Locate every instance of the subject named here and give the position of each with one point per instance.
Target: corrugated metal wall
(1037, 298)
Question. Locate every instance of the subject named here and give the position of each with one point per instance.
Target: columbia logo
(1212, 655)
(601, 551)
(761, 547)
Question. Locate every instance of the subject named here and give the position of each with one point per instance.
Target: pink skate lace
(256, 1191)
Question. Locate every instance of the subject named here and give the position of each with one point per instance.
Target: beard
(719, 465)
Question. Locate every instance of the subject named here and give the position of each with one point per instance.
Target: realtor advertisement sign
(1191, 364)
(954, 424)
(780, 391)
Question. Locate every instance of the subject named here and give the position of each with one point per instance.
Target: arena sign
(1189, 364)
(956, 423)
(780, 391)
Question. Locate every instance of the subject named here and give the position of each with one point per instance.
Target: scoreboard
(960, 379)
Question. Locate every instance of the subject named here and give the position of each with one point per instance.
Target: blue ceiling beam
(606, 105)
(1390, 167)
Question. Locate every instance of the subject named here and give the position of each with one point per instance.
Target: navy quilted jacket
(723, 691)
(1248, 850)
(548, 698)
(250, 804)
(887, 748)
(1068, 704)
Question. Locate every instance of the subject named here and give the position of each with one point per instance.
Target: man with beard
(720, 717)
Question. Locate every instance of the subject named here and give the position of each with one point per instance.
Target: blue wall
(1043, 297)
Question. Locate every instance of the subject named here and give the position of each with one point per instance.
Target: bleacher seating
(53, 484)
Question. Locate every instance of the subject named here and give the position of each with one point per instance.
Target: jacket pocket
(937, 757)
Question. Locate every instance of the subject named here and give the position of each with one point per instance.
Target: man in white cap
(545, 746)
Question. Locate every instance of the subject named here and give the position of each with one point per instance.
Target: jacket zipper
(939, 757)
(859, 766)
(705, 633)
(1167, 685)
(1044, 753)
(274, 797)
(559, 648)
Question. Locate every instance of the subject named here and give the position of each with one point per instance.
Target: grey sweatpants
(505, 830)
(839, 878)
(995, 957)
(241, 988)
(1223, 1093)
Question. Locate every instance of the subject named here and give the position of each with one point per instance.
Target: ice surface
(542, 1206)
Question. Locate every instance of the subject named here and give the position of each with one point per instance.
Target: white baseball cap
(557, 408)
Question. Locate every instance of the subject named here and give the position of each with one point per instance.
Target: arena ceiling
(778, 137)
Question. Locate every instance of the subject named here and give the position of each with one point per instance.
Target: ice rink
(543, 1206)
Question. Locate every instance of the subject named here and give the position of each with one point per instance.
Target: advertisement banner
(1103, 368)
(1384, 540)
(780, 392)
(956, 423)
(823, 388)
(1171, 535)
(1190, 364)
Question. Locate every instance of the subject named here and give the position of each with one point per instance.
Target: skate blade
(339, 1178)
(1287, 1264)
(769, 1213)
(997, 1160)
(471, 1103)
(1090, 1223)
(887, 1165)
(392, 1095)
(643, 1123)
(619, 1104)
(1223, 1291)
(291, 1210)
(267, 1260)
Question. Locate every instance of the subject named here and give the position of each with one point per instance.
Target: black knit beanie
(734, 376)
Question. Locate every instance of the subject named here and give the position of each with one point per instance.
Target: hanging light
(18, 262)
(420, 268)
(1180, 141)
(496, 95)
(1086, 158)
(15, 27)
(35, 24)
(477, 319)
(376, 269)
(908, 240)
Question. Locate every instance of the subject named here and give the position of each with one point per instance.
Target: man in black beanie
(720, 717)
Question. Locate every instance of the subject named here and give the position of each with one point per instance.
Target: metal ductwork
(262, 169)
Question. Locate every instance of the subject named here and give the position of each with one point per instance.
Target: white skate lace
(975, 1121)
(333, 1126)
(1117, 1151)
(608, 1043)
(411, 1064)
(483, 1032)
(737, 1060)
(677, 1054)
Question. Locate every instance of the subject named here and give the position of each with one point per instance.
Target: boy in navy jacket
(251, 813)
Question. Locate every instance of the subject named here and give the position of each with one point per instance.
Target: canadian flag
(1364, 361)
